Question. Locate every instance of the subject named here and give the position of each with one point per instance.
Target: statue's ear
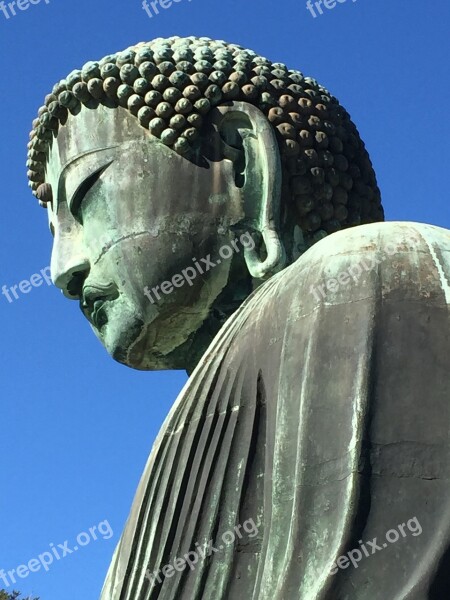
(247, 138)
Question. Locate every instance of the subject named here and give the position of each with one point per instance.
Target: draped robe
(322, 414)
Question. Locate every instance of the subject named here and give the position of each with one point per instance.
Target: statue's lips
(93, 303)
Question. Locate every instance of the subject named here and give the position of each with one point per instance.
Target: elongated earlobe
(276, 256)
(241, 122)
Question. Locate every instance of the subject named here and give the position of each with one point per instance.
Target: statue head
(180, 174)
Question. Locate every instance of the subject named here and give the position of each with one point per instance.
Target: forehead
(89, 131)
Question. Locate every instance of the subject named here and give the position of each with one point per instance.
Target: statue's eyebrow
(70, 164)
(74, 160)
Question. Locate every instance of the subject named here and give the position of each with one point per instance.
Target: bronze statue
(217, 212)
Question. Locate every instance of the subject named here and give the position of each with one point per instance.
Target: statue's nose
(69, 264)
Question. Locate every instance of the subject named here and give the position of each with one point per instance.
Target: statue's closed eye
(82, 191)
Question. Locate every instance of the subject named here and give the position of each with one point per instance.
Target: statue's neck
(240, 285)
(224, 306)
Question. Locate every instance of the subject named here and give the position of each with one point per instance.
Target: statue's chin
(122, 348)
(121, 330)
(145, 354)
(119, 339)
(144, 341)
(131, 341)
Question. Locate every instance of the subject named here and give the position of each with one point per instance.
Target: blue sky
(76, 428)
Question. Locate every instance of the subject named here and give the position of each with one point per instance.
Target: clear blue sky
(76, 428)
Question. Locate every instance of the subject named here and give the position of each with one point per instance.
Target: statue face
(127, 215)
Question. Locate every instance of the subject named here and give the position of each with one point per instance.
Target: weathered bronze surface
(316, 417)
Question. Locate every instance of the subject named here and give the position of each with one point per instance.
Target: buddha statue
(217, 212)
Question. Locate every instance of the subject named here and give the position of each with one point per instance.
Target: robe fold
(321, 413)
